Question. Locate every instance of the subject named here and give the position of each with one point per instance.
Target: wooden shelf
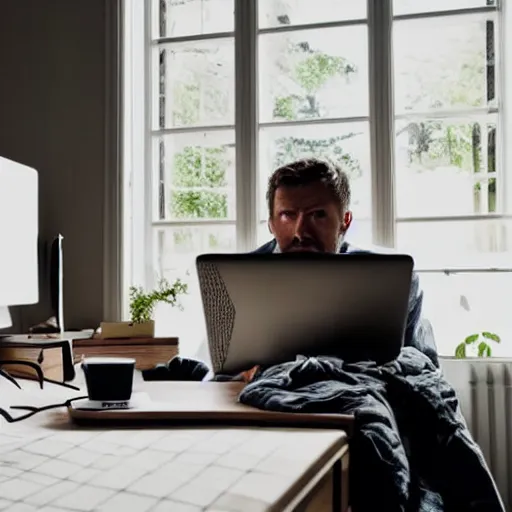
(100, 342)
(147, 352)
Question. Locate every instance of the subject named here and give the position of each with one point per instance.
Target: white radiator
(484, 389)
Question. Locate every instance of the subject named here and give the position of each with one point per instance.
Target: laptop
(265, 309)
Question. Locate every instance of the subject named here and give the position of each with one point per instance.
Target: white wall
(52, 117)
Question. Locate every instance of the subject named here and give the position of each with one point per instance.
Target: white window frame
(139, 187)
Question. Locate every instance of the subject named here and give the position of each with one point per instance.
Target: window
(450, 174)
(407, 95)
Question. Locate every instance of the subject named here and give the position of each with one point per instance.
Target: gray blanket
(411, 450)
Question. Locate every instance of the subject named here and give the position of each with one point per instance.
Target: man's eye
(319, 214)
(286, 215)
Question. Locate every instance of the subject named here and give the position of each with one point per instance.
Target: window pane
(419, 6)
(178, 246)
(176, 249)
(443, 166)
(196, 176)
(276, 13)
(313, 74)
(456, 244)
(195, 85)
(459, 305)
(444, 63)
(177, 18)
(345, 144)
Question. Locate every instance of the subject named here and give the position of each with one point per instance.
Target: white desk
(49, 465)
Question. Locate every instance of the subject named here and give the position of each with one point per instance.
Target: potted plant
(477, 345)
(142, 307)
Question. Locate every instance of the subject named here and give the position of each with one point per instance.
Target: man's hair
(309, 171)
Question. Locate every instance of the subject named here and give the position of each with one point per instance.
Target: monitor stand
(5, 318)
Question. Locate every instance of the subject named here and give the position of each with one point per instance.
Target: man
(309, 210)
(406, 417)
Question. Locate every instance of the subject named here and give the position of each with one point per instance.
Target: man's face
(306, 218)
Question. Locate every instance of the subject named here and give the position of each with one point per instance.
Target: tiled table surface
(47, 464)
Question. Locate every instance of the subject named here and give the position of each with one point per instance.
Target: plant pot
(111, 330)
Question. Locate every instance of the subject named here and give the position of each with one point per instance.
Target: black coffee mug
(109, 379)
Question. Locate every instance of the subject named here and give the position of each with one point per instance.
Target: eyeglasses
(34, 410)
(41, 379)
(36, 367)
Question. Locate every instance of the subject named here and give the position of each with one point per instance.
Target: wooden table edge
(305, 484)
(343, 423)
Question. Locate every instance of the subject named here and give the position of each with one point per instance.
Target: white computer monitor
(18, 235)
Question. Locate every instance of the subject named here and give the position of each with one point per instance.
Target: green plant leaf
(484, 350)
(460, 351)
(491, 336)
(142, 305)
(471, 339)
